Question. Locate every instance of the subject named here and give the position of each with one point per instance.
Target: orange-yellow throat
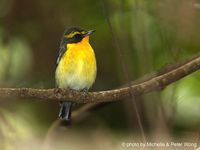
(77, 67)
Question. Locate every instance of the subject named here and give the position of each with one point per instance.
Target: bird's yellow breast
(77, 67)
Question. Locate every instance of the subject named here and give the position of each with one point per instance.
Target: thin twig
(124, 66)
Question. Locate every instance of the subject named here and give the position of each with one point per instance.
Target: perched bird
(76, 65)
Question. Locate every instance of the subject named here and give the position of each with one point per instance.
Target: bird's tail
(65, 111)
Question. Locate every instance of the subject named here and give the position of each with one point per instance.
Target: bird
(76, 66)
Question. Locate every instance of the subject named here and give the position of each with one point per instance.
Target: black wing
(61, 51)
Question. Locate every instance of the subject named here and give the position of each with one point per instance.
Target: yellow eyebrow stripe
(71, 35)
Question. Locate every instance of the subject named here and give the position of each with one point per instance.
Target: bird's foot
(85, 93)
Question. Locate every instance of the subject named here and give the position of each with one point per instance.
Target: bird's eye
(77, 36)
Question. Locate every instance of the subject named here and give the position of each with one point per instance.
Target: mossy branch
(155, 83)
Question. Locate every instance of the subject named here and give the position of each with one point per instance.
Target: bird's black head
(75, 34)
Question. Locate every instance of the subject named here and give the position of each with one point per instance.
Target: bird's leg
(85, 92)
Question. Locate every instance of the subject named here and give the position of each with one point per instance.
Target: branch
(153, 84)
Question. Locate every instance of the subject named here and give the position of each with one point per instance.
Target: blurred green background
(133, 38)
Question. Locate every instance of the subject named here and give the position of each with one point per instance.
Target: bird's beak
(89, 32)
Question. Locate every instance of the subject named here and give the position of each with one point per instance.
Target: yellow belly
(77, 67)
